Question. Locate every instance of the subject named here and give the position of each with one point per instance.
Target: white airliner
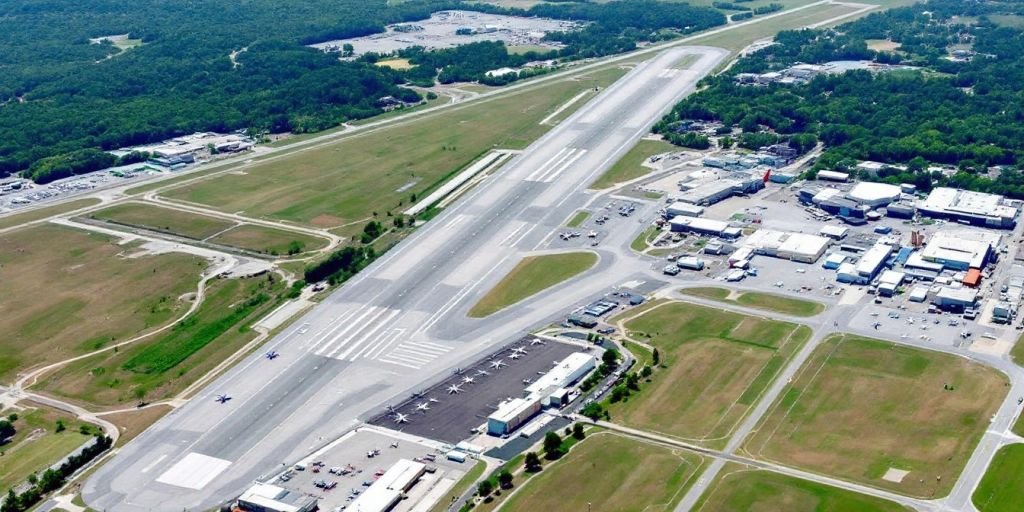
(401, 418)
(495, 365)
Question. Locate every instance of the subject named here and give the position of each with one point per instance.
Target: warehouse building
(874, 195)
(834, 232)
(788, 246)
(703, 226)
(271, 498)
(955, 299)
(961, 250)
(870, 264)
(975, 208)
(833, 176)
(389, 489)
(834, 260)
(680, 208)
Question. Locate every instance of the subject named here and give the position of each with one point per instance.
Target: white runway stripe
(323, 334)
(377, 326)
(556, 172)
(384, 344)
(399, 363)
(562, 154)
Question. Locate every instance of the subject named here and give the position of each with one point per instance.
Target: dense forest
(968, 114)
(221, 66)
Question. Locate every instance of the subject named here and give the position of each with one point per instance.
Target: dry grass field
(613, 474)
(715, 365)
(164, 220)
(861, 407)
(64, 292)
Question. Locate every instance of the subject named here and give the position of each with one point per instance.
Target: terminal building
(548, 390)
(974, 208)
(271, 498)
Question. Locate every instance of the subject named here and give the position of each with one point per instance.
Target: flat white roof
(801, 243)
(836, 258)
(563, 372)
(831, 230)
(702, 224)
(194, 471)
(919, 292)
(873, 258)
(388, 489)
(960, 247)
(892, 277)
(957, 294)
(833, 175)
(275, 498)
(951, 200)
(680, 206)
(509, 410)
(870, 192)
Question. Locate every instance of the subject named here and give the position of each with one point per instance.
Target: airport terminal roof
(388, 489)
(701, 224)
(562, 373)
(509, 410)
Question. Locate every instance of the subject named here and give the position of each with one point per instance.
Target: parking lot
(345, 470)
(451, 410)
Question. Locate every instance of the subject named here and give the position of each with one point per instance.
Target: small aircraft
(417, 394)
(515, 356)
(454, 389)
(527, 381)
(519, 350)
(468, 380)
(495, 365)
(271, 355)
(459, 371)
(401, 418)
(423, 406)
(391, 408)
(481, 373)
(536, 341)
(433, 400)
(223, 398)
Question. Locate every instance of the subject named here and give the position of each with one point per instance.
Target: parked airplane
(423, 406)
(223, 398)
(271, 355)
(401, 418)
(417, 394)
(519, 350)
(495, 365)
(468, 380)
(459, 371)
(536, 341)
(433, 400)
(480, 373)
(454, 388)
(514, 356)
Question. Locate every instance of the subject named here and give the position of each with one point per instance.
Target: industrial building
(685, 209)
(788, 246)
(874, 195)
(974, 208)
(546, 390)
(955, 299)
(271, 498)
(833, 176)
(834, 260)
(389, 489)
(870, 264)
(701, 226)
(961, 250)
(708, 188)
(834, 232)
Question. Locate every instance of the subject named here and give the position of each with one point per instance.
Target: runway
(400, 324)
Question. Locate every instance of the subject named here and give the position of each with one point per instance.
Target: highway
(401, 323)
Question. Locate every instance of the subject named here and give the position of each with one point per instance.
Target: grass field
(742, 488)
(531, 275)
(348, 180)
(716, 364)
(165, 220)
(1002, 487)
(759, 300)
(42, 213)
(268, 240)
(157, 368)
(639, 243)
(1007, 20)
(1017, 352)
(64, 292)
(132, 423)
(611, 473)
(578, 219)
(629, 166)
(37, 444)
(395, 63)
(861, 406)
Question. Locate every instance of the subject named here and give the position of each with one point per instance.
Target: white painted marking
(380, 325)
(375, 349)
(399, 363)
(154, 463)
(555, 173)
(357, 324)
(194, 471)
(559, 157)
